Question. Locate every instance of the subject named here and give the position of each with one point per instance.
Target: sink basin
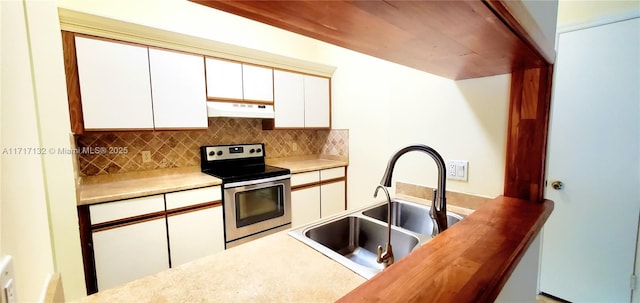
(411, 216)
(352, 238)
(357, 239)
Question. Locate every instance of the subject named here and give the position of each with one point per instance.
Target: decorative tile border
(172, 149)
(453, 198)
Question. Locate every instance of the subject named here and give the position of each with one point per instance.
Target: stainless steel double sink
(352, 239)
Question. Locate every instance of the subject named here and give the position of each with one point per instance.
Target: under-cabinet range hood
(239, 110)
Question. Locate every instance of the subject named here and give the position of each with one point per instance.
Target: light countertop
(104, 188)
(308, 163)
(131, 185)
(276, 268)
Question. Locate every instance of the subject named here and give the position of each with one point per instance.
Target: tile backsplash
(121, 152)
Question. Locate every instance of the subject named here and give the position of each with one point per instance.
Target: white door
(288, 99)
(178, 86)
(224, 79)
(114, 85)
(130, 252)
(316, 102)
(589, 241)
(257, 83)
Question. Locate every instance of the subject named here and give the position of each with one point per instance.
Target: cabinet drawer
(193, 197)
(331, 173)
(126, 208)
(305, 178)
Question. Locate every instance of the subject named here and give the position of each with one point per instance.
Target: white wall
(54, 127)
(574, 14)
(384, 105)
(24, 223)
(39, 220)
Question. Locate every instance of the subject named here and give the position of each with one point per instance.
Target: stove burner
(234, 163)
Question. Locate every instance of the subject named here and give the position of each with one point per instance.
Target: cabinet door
(332, 197)
(178, 85)
(126, 253)
(195, 234)
(316, 102)
(114, 85)
(305, 206)
(257, 83)
(224, 79)
(288, 89)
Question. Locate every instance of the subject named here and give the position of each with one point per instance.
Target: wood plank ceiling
(453, 39)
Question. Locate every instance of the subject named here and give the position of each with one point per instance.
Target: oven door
(251, 207)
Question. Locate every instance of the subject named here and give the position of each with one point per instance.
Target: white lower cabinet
(194, 233)
(142, 236)
(305, 206)
(126, 253)
(332, 196)
(319, 194)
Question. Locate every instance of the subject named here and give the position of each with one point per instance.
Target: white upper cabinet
(316, 102)
(224, 79)
(288, 91)
(178, 85)
(114, 85)
(229, 80)
(301, 101)
(257, 83)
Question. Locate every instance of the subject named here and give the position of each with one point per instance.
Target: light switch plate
(457, 169)
(7, 280)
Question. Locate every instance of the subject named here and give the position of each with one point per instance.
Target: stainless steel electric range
(256, 197)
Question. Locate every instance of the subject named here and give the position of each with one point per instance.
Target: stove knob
(212, 153)
(252, 151)
(219, 153)
(259, 150)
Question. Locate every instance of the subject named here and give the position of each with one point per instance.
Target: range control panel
(226, 152)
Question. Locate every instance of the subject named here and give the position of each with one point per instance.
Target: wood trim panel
(242, 101)
(334, 180)
(469, 262)
(305, 186)
(73, 82)
(192, 208)
(128, 221)
(86, 245)
(527, 129)
(319, 183)
(517, 18)
(179, 129)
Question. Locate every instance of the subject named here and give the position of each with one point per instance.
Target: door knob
(557, 185)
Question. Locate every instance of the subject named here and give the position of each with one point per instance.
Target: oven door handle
(257, 181)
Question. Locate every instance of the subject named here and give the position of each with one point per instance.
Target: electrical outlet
(457, 169)
(451, 169)
(146, 156)
(294, 146)
(7, 281)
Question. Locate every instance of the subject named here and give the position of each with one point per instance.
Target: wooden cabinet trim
(193, 208)
(73, 82)
(305, 186)
(127, 221)
(334, 180)
(241, 101)
(86, 245)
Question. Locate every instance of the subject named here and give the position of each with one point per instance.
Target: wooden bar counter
(470, 262)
